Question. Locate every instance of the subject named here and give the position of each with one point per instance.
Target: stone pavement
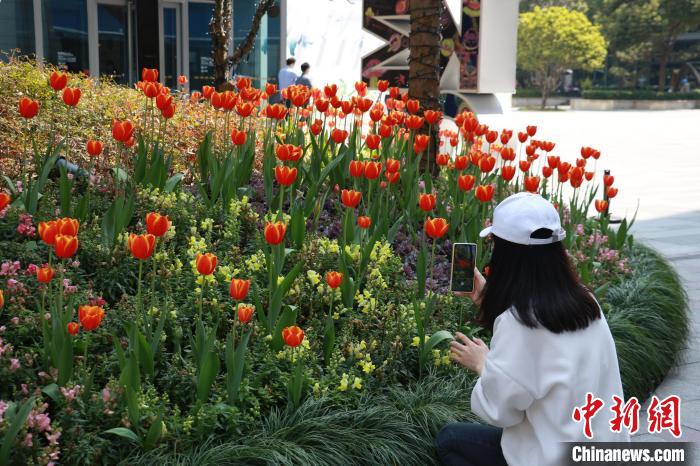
(655, 158)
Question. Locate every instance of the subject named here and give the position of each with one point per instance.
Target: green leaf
(288, 317)
(145, 354)
(154, 433)
(173, 182)
(437, 338)
(235, 365)
(281, 291)
(421, 266)
(123, 432)
(52, 392)
(207, 374)
(16, 424)
(328, 339)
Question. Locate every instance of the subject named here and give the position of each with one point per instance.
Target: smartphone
(463, 259)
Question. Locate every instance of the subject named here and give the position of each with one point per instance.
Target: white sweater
(532, 380)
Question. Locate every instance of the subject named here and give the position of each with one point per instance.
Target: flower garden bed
(225, 337)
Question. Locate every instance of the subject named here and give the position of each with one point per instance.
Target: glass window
(170, 46)
(65, 34)
(17, 26)
(201, 61)
(273, 43)
(113, 47)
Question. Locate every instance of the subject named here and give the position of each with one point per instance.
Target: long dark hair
(539, 282)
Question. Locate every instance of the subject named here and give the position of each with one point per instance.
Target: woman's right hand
(479, 282)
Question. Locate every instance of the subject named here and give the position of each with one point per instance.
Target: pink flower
(15, 320)
(28, 440)
(14, 364)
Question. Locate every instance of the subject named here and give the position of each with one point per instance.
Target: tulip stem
(138, 292)
(279, 212)
(85, 350)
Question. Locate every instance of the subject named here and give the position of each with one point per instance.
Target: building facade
(117, 38)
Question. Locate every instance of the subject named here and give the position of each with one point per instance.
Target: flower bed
(219, 280)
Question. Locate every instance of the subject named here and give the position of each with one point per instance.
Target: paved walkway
(655, 158)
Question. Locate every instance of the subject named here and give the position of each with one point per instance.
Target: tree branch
(244, 49)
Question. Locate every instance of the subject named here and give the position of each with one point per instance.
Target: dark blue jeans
(466, 444)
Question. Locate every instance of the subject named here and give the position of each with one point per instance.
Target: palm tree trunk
(424, 63)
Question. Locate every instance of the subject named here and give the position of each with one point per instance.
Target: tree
(424, 61)
(578, 5)
(677, 17)
(220, 31)
(552, 40)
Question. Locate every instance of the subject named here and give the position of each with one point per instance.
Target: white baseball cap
(521, 214)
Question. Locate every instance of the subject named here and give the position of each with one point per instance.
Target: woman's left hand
(470, 353)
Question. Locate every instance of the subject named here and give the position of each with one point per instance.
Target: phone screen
(463, 257)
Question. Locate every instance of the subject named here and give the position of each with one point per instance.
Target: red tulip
(507, 172)
(532, 183)
(491, 136)
(611, 192)
(238, 289)
(207, 91)
(285, 176)
(73, 328)
(122, 130)
(384, 130)
(151, 89)
(412, 105)
(364, 222)
(149, 74)
(436, 227)
(270, 89)
(293, 336)
(339, 135)
(382, 85)
(67, 226)
(522, 137)
(334, 279)
(90, 316)
(157, 224)
(507, 153)
(373, 141)
(28, 108)
(392, 165)
(546, 171)
(524, 165)
(420, 143)
(4, 200)
(350, 198)
(377, 113)
(601, 205)
(141, 246)
(44, 274)
(484, 193)
(426, 202)
(58, 80)
(505, 136)
(392, 177)
(168, 112)
(274, 233)
(372, 170)
(587, 152)
(330, 90)
(65, 246)
(461, 162)
(608, 180)
(47, 232)
(206, 263)
(244, 109)
(71, 96)
(442, 160)
(361, 88)
(487, 163)
(414, 122)
(238, 137)
(182, 80)
(531, 130)
(94, 148)
(432, 116)
(163, 100)
(245, 313)
(466, 182)
(357, 168)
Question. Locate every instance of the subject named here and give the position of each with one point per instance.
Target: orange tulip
(426, 202)
(28, 108)
(157, 224)
(357, 168)
(382, 85)
(432, 116)
(412, 105)
(372, 170)
(414, 122)
(94, 148)
(58, 80)
(44, 274)
(487, 163)
(601, 205)
(67, 226)
(274, 233)
(245, 313)
(151, 90)
(532, 183)
(507, 153)
(329, 90)
(141, 246)
(507, 172)
(71, 96)
(293, 336)
(392, 177)
(436, 227)
(168, 112)
(611, 192)
(244, 109)
(149, 74)
(4, 200)
(206, 263)
(238, 289)
(364, 222)
(392, 165)
(466, 182)
(163, 100)
(373, 141)
(484, 193)
(122, 130)
(182, 80)
(270, 89)
(238, 137)
(288, 152)
(350, 198)
(285, 176)
(90, 316)
(443, 160)
(334, 279)
(73, 328)
(461, 162)
(207, 92)
(47, 232)
(608, 180)
(65, 246)
(2, 299)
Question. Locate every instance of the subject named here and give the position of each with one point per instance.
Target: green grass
(648, 317)
(647, 314)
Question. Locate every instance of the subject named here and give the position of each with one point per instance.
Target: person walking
(287, 76)
(304, 79)
(551, 348)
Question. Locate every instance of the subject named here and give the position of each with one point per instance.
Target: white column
(93, 39)
(38, 31)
